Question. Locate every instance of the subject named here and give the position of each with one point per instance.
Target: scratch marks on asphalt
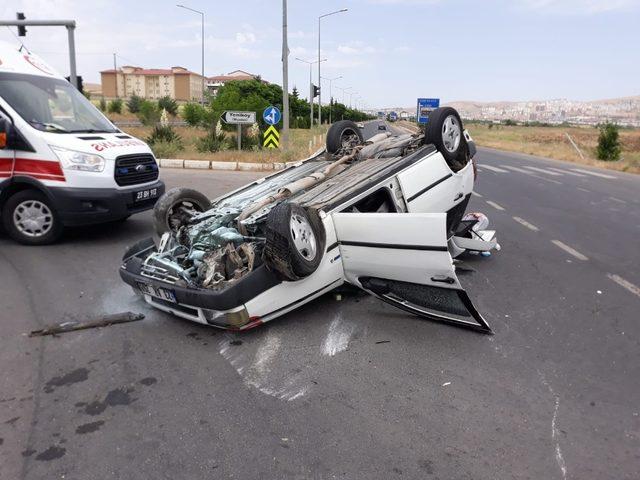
(338, 337)
(570, 250)
(495, 205)
(617, 200)
(624, 283)
(583, 189)
(523, 222)
(555, 432)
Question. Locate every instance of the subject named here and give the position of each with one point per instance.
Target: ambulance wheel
(295, 241)
(343, 134)
(30, 218)
(176, 206)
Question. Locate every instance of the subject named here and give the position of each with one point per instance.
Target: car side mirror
(6, 132)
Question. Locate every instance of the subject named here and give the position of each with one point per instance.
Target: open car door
(402, 258)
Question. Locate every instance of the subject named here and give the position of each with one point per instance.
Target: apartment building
(152, 83)
(214, 83)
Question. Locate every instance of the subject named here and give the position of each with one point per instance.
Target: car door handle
(458, 196)
(443, 279)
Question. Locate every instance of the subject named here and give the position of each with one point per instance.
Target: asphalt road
(343, 388)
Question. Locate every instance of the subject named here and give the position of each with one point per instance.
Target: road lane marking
(584, 189)
(530, 226)
(495, 205)
(516, 169)
(624, 283)
(569, 250)
(542, 170)
(567, 172)
(595, 174)
(617, 200)
(550, 180)
(494, 169)
(476, 194)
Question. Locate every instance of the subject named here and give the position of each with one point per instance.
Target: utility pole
(310, 85)
(285, 78)
(202, 17)
(319, 62)
(115, 73)
(331, 93)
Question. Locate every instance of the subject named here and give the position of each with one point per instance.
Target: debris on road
(104, 321)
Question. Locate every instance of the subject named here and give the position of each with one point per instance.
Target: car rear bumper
(86, 206)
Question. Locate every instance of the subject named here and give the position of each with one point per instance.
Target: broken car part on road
(385, 215)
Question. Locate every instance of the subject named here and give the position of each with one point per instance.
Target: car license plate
(143, 195)
(158, 292)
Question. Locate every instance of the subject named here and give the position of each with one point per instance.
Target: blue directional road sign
(271, 115)
(425, 107)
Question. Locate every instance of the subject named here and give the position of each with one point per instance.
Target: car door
(402, 258)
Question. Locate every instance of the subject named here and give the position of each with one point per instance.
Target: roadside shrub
(149, 113)
(163, 133)
(169, 104)
(193, 114)
(162, 149)
(133, 105)
(251, 137)
(609, 147)
(86, 94)
(214, 141)
(115, 106)
(102, 105)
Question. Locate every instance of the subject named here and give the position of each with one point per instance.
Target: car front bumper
(87, 206)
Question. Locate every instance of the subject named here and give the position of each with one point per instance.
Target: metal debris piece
(103, 321)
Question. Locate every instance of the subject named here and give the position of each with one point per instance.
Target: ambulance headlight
(72, 160)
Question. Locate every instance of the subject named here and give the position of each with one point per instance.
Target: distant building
(152, 83)
(214, 83)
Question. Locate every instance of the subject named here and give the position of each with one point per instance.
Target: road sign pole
(239, 137)
(285, 77)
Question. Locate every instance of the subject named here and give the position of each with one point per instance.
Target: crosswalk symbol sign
(271, 138)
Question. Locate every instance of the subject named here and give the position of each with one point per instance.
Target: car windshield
(51, 104)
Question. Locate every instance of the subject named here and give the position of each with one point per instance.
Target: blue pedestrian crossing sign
(271, 115)
(425, 107)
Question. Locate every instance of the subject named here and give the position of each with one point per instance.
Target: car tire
(30, 218)
(445, 131)
(295, 241)
(341, 134)
(176, 206)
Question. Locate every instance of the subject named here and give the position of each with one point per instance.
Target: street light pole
(319, 62)
(331, 93)
(285, 77)
(311, 64)
(202, 15)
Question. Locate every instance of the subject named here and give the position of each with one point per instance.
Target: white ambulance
(63, 163)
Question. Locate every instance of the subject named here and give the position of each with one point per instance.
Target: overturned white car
(385, 215)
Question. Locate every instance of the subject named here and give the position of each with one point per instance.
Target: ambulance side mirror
(6, 132)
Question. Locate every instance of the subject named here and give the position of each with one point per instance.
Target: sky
(389, 52)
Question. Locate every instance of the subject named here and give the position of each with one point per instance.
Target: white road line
(567, 172)
(530, 226)
(550, 180)
(494, 169)
(569, 250)
(624, 283)
(476, 194)
(617, 200)
(595, 174)
(495, 205)
(542, 170)
(584, 189)
(516, 169)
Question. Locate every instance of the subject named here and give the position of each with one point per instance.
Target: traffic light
(22, 30)
(316, 91)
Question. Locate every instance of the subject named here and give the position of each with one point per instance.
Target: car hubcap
(180, 213)
(303, 238)
(33, 218)
(451, 133)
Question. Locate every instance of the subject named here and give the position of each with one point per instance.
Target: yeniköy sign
(238, 118)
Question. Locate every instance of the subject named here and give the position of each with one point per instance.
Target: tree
(149, 113)
(169, 104)
(247, 95)
(295, 93)
(133, 105)
(609, 147)
(115, 106)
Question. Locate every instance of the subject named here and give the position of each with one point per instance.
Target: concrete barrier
(254, 167)
(224, 165)
(197, 164)
(171, 163)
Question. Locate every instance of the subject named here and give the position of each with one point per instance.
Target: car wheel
(444, 130)
(343, 134)
(295, 241)
(176, 206)
(30, 218)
